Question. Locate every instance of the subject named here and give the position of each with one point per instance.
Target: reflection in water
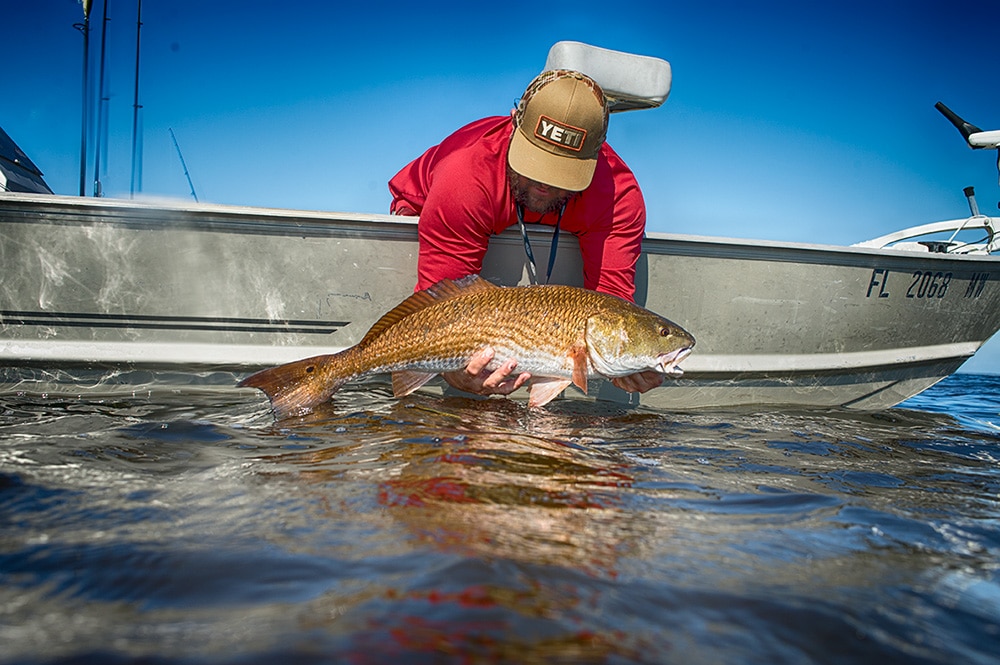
(478, 488)
(190, 527)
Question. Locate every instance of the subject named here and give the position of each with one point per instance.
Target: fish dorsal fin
(439, 292)
(448, 288)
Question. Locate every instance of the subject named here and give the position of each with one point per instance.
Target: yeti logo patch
(562, 135)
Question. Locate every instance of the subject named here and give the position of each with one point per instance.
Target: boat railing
(976, 139)
(987, 244)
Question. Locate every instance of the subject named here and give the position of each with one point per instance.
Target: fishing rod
(183, 164)
(102, 99)
(136, 162)
(85, 120)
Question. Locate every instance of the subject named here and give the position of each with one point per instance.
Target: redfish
(560, 334)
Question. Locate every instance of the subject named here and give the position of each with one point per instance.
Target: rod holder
(970, 194)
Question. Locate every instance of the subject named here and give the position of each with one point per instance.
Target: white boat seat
(629, 81)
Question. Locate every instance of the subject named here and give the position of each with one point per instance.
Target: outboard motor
(977, 139)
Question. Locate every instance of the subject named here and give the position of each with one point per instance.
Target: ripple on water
(189, 527)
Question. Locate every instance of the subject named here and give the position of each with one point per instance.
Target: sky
(799, 121)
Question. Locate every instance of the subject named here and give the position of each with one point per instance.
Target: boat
(17, 172)
(102, 295)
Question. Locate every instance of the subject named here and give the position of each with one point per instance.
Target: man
(546, 164)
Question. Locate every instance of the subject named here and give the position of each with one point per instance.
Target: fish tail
(297, 387)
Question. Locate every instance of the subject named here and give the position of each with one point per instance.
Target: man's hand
(475, 378)
(639, 383)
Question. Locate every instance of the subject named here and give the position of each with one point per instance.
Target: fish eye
(664, 331)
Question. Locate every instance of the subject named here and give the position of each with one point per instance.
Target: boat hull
(100, 293)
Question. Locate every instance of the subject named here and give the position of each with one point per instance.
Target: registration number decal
(925, 284)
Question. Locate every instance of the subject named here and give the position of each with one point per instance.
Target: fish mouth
(667, 362)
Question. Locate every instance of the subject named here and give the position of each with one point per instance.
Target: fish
(560, 334)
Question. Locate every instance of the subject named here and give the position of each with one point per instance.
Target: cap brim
(530, 161)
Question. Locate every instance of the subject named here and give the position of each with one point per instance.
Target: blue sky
(803, 121)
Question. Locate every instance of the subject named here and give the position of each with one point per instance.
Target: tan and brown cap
(560, 125)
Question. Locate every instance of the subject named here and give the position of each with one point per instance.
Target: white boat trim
(822, 362)
(184, 354)
(178, 354)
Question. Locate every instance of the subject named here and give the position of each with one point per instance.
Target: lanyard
(527, 244)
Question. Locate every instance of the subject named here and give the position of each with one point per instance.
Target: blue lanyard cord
(532, 274)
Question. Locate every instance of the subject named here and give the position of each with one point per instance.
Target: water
(186, 527)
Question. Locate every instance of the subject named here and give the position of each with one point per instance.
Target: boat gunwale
(211, 217)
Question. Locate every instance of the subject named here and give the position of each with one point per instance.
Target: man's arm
(611, 246)
(454, 229)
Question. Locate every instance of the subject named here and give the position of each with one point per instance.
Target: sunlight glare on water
(189, 527)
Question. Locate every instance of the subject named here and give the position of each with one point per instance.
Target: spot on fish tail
(296, 387)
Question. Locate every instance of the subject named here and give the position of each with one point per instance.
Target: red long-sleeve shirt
(460, 190)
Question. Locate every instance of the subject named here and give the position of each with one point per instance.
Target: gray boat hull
(99, 293)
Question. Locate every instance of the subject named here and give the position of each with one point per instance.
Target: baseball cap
(560, 125)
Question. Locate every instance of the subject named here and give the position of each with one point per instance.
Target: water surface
(186, 526)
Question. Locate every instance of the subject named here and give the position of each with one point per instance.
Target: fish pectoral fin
(405, 382)
(578, 354)
(544, 390)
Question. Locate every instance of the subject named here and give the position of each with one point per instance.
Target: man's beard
(519, 189)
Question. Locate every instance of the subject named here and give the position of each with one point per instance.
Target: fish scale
(444, 337)
(558, 334)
